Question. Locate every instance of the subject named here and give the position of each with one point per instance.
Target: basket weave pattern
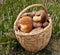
(35, 42)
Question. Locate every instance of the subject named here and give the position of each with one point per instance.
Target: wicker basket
(36, 41)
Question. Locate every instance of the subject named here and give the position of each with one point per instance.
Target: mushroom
(43, 15)
(37, 18)
(37, 24)
(26, 24)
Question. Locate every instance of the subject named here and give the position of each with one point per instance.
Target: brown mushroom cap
(37, 24)
(43, 15)
(26, 22)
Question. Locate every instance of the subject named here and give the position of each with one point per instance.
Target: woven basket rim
(41, 31)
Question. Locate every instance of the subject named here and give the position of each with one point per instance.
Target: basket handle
(31, 6)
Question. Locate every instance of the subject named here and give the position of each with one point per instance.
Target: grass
(9, 9)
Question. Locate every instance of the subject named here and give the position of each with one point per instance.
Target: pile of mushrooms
(30, 21)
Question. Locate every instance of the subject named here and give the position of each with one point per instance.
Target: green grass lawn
(9, 9)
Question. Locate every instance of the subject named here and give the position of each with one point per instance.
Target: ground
(9, 9)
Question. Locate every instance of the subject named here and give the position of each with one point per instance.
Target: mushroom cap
(26, 23)
(37, 24)
(25, 20)
(43, 15)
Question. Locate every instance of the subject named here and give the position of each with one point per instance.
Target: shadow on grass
(51, 49)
